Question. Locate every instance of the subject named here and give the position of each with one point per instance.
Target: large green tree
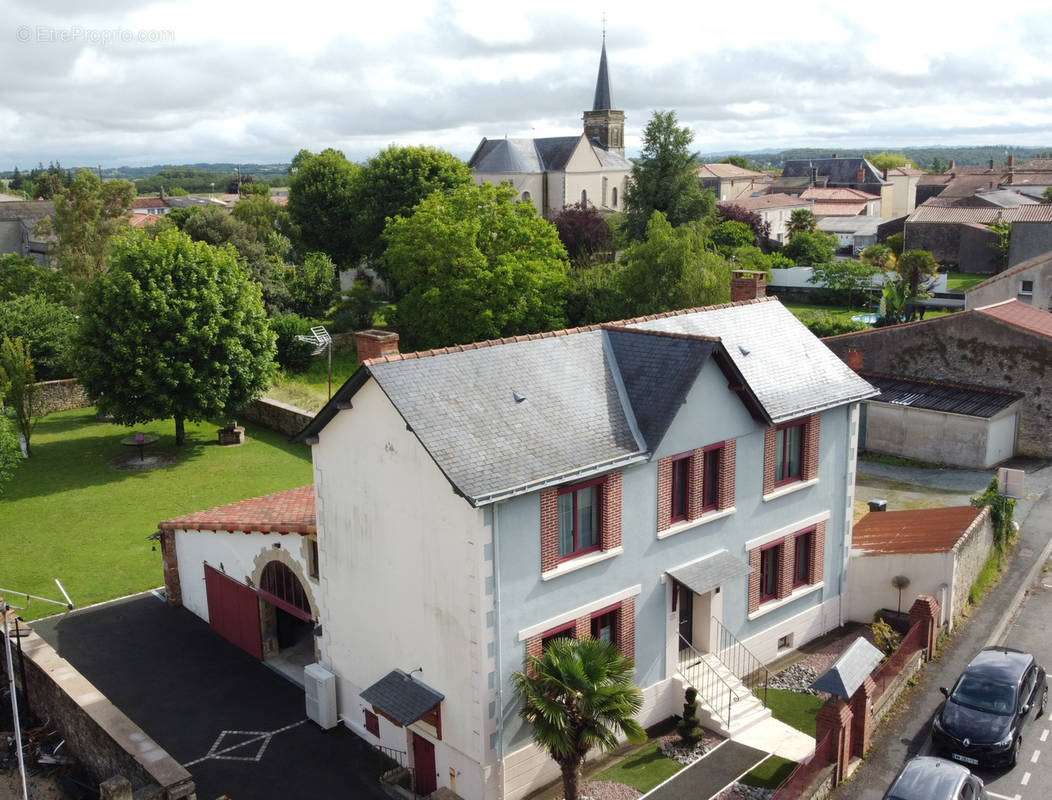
(46, 327)
(673, 268)
(87, 217)
(808, 249)
(322, 204)
(174, 329)
(313, 285)
(915, 266)
(577, 696)
(391, 183)
(470, 264)
(18, 380)
(23, 276)
(663, 178)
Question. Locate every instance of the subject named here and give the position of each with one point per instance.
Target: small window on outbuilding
(313, 566)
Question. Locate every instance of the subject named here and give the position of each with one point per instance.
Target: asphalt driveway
(239, 728)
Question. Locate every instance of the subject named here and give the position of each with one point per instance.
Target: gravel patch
(739, 791)
(796, 678)
(673, 747)
(608, 790)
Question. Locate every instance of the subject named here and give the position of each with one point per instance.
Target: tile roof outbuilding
(291, 511)
(921, 530)
(1020, 315)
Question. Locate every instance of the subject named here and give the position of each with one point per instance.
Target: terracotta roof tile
(291, 511)
(143, 220)
(1020, 315)
(985, 216)
(836, 194)
(922, 530)
(764, 201)
(149, 202)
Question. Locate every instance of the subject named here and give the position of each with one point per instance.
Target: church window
(613, 199)
(584, 198)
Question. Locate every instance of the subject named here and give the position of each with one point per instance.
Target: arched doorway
(286, 616)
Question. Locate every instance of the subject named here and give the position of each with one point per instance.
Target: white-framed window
(1026, 288)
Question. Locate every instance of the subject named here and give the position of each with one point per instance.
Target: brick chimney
(885, 173)
(747, 285)
(814, 176)
(953, 165)
(375, 344)
(860, 176)
(1011, 161)
(834, 155)
(991, 163)
(854, 359)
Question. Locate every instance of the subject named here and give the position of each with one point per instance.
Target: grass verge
(795, 709)
(770, 774)
(67, 514)
(643, 770)
(989, 575)
(962, 281)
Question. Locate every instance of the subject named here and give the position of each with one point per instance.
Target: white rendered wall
(402, 572)
(869, 580)
(233, 553)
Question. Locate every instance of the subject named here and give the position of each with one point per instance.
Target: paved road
(237, 726)
(906, 731)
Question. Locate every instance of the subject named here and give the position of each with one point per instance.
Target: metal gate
(233, 611)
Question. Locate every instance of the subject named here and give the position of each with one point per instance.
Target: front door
(686, 616)
(424, 765)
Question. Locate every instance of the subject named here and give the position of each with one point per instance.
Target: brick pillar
(835, 717)
(854, 359)
(747, 285)
(862, 717)
(375, 344)
(925, 609)
(172, 590)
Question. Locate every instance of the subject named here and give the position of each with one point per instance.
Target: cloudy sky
(116, 82)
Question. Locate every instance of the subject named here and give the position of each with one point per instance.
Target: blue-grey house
(676, 484)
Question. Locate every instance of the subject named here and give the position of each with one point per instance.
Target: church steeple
(603, 125)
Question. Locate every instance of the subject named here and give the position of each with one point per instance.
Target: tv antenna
(4, 608)
(320, 340)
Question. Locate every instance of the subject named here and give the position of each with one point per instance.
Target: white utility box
(320, 687)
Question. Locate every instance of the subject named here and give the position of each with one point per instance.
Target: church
(559, 171)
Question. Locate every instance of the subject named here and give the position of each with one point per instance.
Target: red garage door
(233, 611)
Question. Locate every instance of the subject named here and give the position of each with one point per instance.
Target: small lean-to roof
(953, 398)
(512, 416)
(290, 511)
(1020, 315)
(850, 670)
(402, 697)
(920, 530)
(713, 570)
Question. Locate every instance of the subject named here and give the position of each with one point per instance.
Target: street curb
(999, 632)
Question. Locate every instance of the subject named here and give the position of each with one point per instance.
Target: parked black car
(927, 778)
(981, 721)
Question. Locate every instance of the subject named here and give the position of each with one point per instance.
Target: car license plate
(965, 759)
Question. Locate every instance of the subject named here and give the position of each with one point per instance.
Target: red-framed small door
(233, 611)
(424, 765)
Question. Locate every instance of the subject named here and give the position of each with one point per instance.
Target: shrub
(823, 324)
(293, 355)
(884, 637)
(688, 728)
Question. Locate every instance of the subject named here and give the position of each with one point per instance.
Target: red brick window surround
(580, 518)
(791, 453)
(615, 623)
(786, 564)
(695, 483)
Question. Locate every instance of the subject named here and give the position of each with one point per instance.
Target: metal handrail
(701, 675)
(401, 758)
(749, 669)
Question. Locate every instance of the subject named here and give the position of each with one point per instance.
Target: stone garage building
(1006, 346)
(939, 550)
(250, 569)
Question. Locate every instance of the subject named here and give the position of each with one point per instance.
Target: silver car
(930, 778)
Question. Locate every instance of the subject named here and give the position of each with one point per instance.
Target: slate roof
(858, 225)
(1005, 198)
(850, 670)
(291, 511)
(402, 697)
(726, 171)
(511, 416)
(602, 101)
(1020, 315)
(551, 154)
(918, 530)
(713, 570)
(837, 170)
(953, 398)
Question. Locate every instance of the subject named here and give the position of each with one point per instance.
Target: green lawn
(842, 313)
(310, 390)
(642, 770)
(794, 708)
(68, 515)
(770, 774)
(961, 281)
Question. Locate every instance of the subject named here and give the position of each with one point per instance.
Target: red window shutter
(664, 494)
(727, 467)
(372, 722)
(809, 456)
(610, 529)
(549, 529)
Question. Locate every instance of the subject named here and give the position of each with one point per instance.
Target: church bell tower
(603, 125)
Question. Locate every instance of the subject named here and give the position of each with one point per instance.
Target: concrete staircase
(725, 704)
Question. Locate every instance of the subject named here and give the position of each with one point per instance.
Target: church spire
(602, 100)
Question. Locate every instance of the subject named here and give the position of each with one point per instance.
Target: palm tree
(802, 220)
(578, 695)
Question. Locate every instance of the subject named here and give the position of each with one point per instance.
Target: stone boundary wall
(276, 416)
(61, 395)
(882, 704)
(971, 552)
(97, 733)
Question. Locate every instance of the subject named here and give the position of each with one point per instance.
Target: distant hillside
(922, 157)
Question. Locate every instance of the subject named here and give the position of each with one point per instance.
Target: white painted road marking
(1026, 778)
(1044, 734)
(1004, 796)
(1035, 756)
(222, 753)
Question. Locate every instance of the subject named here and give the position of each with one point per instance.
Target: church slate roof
(602, 101)
(837, 170)
(549, 154)
(515, 415)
